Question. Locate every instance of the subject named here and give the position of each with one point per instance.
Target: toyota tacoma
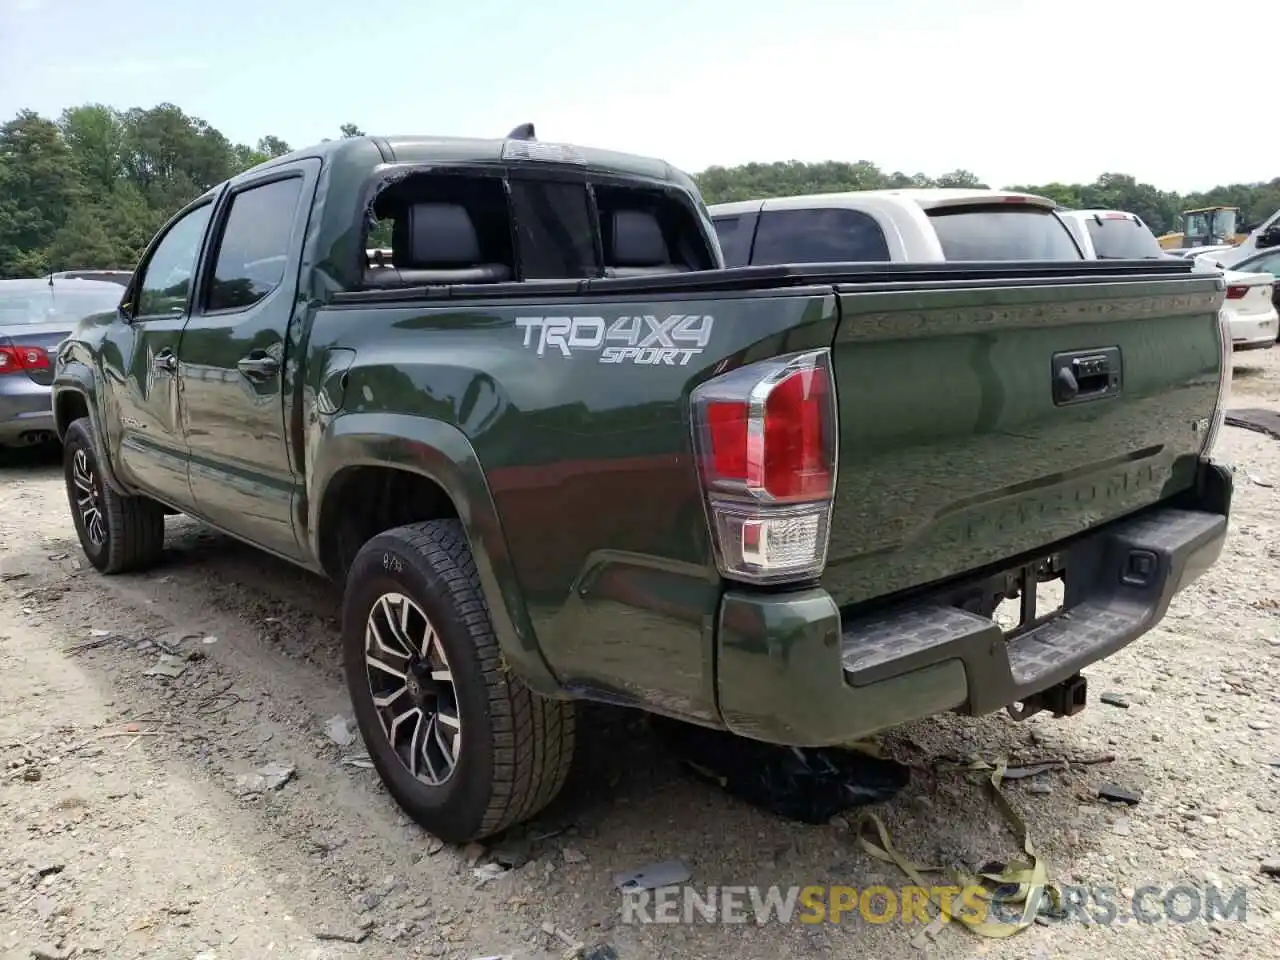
(555, 451)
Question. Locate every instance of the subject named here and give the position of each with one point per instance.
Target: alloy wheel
(88, 494)
(412, 688)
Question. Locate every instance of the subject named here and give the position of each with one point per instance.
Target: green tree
(960, 178)
(95, 136)
(39, 186)
(91, 189)
(273, 147)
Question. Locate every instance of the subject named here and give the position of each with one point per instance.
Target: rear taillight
(1237, 292)
(19, 359)
(765, 440)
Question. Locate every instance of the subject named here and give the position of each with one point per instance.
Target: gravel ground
(211, 814)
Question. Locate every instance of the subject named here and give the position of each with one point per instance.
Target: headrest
(436, 234)
(638, 240)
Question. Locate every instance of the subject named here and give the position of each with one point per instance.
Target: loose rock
(271, 777)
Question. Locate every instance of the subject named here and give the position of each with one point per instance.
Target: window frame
(574, 177)
(748, 221)
(669, 193)
(385, 175)
(131, 302)
(217, 232)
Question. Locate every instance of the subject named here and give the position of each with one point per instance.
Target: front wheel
(463, 747)
(117, 533)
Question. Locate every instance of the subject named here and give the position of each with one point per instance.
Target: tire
(118, 534)
(511, 748)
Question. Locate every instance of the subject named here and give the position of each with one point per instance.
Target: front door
(153, 452)
(232, 360)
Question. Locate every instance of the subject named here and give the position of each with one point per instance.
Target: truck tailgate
(962, 440)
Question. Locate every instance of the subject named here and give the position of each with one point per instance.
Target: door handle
(164, 362)
(259, 367)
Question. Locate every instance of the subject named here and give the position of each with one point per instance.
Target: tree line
(90, 188)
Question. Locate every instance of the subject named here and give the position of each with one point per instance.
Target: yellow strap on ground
(1030, 880)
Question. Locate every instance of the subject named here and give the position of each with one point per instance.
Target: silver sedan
(35, 316)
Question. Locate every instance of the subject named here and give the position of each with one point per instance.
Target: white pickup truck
(939, 225)
(1119, 235)
(897, 226)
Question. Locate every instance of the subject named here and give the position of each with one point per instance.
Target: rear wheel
(117, 533)
(463, 747)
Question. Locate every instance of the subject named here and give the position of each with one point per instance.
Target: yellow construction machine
(1205, 227)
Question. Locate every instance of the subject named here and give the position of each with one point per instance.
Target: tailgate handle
(1082, 375)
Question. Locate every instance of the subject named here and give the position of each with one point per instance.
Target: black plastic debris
(810, 785)
(1257, 419)
(1118, 794)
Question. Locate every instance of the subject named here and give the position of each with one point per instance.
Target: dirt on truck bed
(173, 782)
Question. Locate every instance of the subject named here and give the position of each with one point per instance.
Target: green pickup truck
(555, 451)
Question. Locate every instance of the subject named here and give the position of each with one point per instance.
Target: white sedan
(1250, 310)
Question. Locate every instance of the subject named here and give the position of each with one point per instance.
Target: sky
(1016, 91)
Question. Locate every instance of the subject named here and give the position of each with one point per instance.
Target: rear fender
(441, 453)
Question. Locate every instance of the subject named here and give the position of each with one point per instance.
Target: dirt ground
(139, 822)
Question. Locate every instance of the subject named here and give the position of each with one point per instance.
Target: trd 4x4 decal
(634, 339)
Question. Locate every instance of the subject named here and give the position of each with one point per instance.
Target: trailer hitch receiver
(1064, 699)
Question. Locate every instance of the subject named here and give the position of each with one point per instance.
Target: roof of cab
(432, 149)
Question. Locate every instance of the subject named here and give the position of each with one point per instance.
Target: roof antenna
(523, 132)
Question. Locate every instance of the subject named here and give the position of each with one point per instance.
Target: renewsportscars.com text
(1100, 905)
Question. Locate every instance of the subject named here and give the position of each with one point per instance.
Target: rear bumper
(25, 407)
(790, 670)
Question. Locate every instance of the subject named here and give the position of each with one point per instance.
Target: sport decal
(645, 340)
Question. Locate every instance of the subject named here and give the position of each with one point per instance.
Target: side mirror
(1269, 238)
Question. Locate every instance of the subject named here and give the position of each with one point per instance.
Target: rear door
(233, 374)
